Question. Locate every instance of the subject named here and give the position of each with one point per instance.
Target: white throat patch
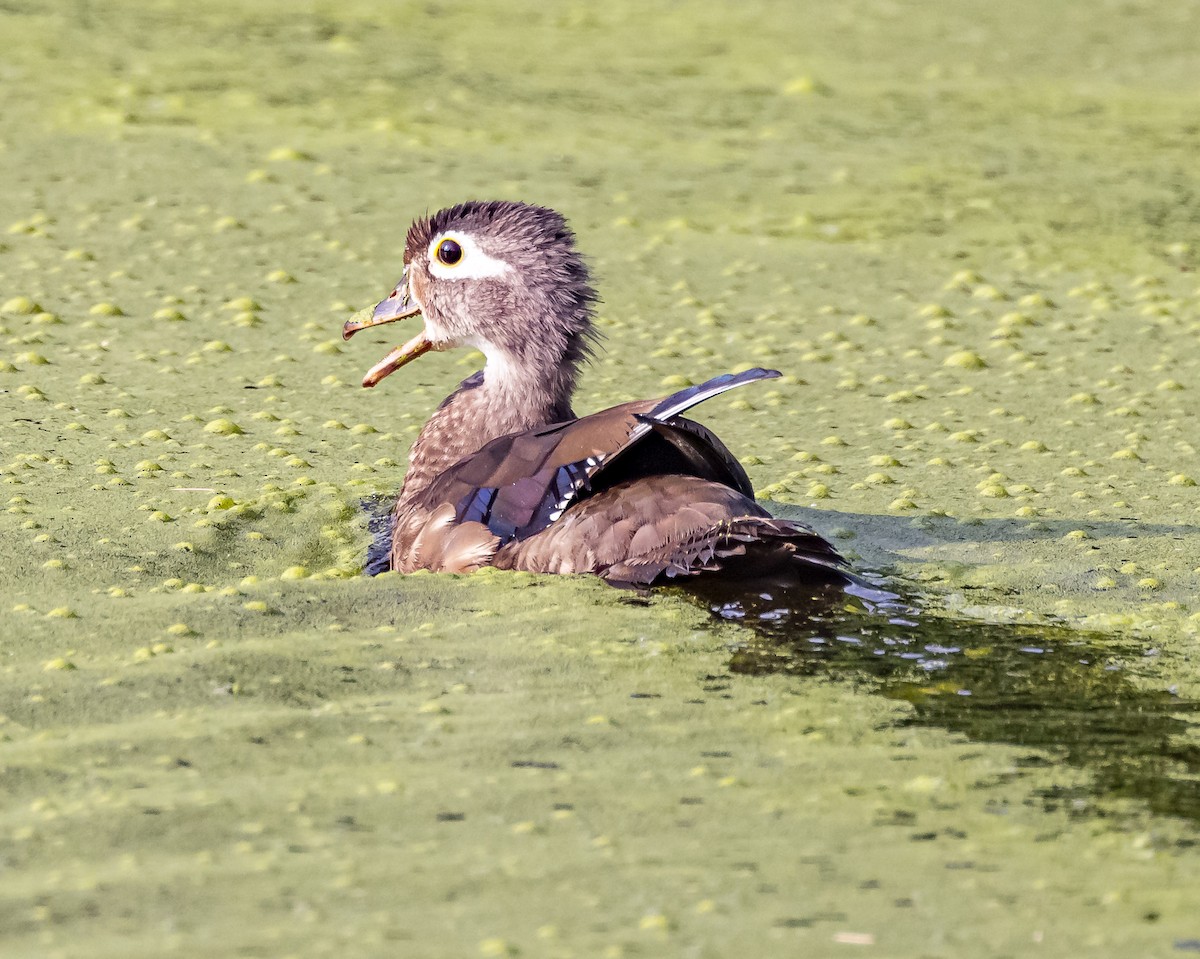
(497, 369)
(474, 264)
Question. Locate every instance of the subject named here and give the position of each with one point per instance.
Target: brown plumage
(505, 475)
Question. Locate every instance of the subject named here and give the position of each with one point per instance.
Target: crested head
(520, 224)
(505, 278)
(502, 277)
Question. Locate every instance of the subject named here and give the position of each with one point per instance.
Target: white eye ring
(472, 263)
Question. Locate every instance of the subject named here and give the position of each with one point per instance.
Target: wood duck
(504, 474)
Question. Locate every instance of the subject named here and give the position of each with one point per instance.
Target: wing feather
(518, 485)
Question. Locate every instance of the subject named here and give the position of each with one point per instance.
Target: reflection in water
(1068, 693)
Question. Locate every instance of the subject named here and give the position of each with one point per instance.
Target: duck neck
(528, 391)
(506, 396)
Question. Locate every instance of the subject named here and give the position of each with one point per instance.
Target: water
(1071, 697)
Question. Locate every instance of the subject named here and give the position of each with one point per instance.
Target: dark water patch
(378, 509)
(1076, 698)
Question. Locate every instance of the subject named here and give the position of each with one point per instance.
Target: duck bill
(399, 306)
(417, 346)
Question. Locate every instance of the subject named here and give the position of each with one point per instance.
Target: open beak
(399, 306)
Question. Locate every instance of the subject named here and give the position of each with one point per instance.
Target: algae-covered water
(967, 234)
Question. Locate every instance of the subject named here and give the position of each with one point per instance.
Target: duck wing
(668, 526)
(518, 485)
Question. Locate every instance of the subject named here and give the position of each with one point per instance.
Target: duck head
(499, 276)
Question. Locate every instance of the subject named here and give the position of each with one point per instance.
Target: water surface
(967, 236)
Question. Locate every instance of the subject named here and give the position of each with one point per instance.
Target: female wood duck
(504, 474)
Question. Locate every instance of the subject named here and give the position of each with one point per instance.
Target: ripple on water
(1079, 699)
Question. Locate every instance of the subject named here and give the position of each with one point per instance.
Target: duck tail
(745, 548)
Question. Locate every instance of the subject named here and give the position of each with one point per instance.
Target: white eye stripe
(474, 264)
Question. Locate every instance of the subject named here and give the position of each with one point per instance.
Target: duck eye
(449, 252)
